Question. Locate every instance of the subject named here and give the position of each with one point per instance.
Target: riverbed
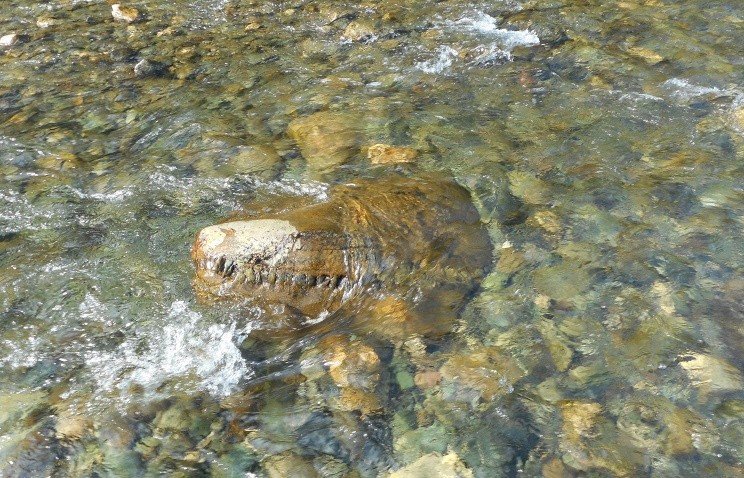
(602, 145)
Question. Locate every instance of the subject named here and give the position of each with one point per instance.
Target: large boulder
(406, 252)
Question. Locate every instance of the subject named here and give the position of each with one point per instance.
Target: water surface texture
(602, 143)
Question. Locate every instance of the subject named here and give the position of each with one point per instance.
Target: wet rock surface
(371, 241)
(598, 144)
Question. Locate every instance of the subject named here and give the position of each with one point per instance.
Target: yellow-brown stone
(326, 139)
(486, 369)
(387, 154)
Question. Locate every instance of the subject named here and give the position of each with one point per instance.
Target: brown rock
(326, 139)
(352, 364)
(427, 379)
(486, 369)
(354, 399)
(374, 242)
(386, 154)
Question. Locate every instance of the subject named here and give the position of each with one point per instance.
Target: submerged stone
(487, 371)
(326, 139)
(354, 369)
(562, 281)
(510, 260)
(149, 68)
(579, 419)
(529, 188)
(72, 425)
(353, 364)
(422, 440)
(289, 464)
(385, 153)
(16, 406)
(355, 399)
(711, 374)
(435, 465)
(261, 160)
(427, 379)
(359, 31)
(560, 351)
(547, 220)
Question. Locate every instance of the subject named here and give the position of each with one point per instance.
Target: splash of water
(497, 48)
(443, 60)
(183, 348)
(482, 23)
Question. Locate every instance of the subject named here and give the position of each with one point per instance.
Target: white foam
(22, 354)
(320, 318)
(194, 189)
(183, 348)
(480, 22)
(308, 188)
(18, 213)
(484, 35)
(684, 89)
(118, 196)
(637, 97)
(508, 39)
(443, 60)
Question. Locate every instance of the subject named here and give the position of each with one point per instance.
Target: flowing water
(602, 143)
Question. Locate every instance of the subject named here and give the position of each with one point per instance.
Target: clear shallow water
(602, 143)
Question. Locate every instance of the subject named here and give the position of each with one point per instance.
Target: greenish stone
(565, 280)
(422, 440)
(404, 379)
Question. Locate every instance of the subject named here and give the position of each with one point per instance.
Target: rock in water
(261, 160)
(406, 251)
(9, 40)
(148, 69)
(326, 139)
(359, 32)
(385, 153)
(123, 13)
(434, 465)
